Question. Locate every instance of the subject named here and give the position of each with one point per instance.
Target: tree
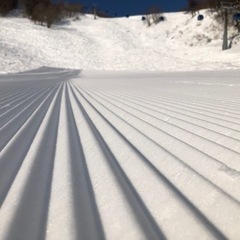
(30, 5)
(7, 5)
(41, 11)
(45, 13)
(193, 6)
(71, 9)
(153, 15)
(52, 15)
(38, 13)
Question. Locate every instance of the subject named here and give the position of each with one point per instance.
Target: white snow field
(181, 43)
(151, 151)
(106, 155)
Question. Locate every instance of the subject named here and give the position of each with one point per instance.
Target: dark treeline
(43, 12)
(7, 5)
(227, 10)
(196, 5)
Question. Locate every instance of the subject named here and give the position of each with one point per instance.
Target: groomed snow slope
(100, 155)
(180, 43)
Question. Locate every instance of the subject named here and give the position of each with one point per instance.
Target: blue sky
(133, 7)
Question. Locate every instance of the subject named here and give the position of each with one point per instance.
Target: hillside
(126, 155)
(180, 43)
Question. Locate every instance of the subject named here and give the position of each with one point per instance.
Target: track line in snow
(197, 167)
(110, 157)
(30, 218)
(208, 224)
(183, 100)
(161, 125)
(109, 192)
(90, 226)
(16, 149)
(217, 112)
(21, 108)
(220, 130)
(192, 114)
(144, 218)
(13, 125)
(132, 110)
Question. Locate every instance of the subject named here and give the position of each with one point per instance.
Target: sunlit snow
(91, 152)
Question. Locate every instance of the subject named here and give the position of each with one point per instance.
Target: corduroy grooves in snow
(105, 155)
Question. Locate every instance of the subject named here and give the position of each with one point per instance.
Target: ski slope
(181, 43)
(127, 155)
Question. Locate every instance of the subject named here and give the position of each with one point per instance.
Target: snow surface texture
(100, 155)
(180, 43)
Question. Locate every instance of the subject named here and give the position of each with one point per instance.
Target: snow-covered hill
(179, 43)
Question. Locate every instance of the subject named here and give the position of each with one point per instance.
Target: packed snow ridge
(178, 44)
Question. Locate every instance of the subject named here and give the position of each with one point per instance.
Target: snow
(181, 43)
(94, 144)
(139, 155)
